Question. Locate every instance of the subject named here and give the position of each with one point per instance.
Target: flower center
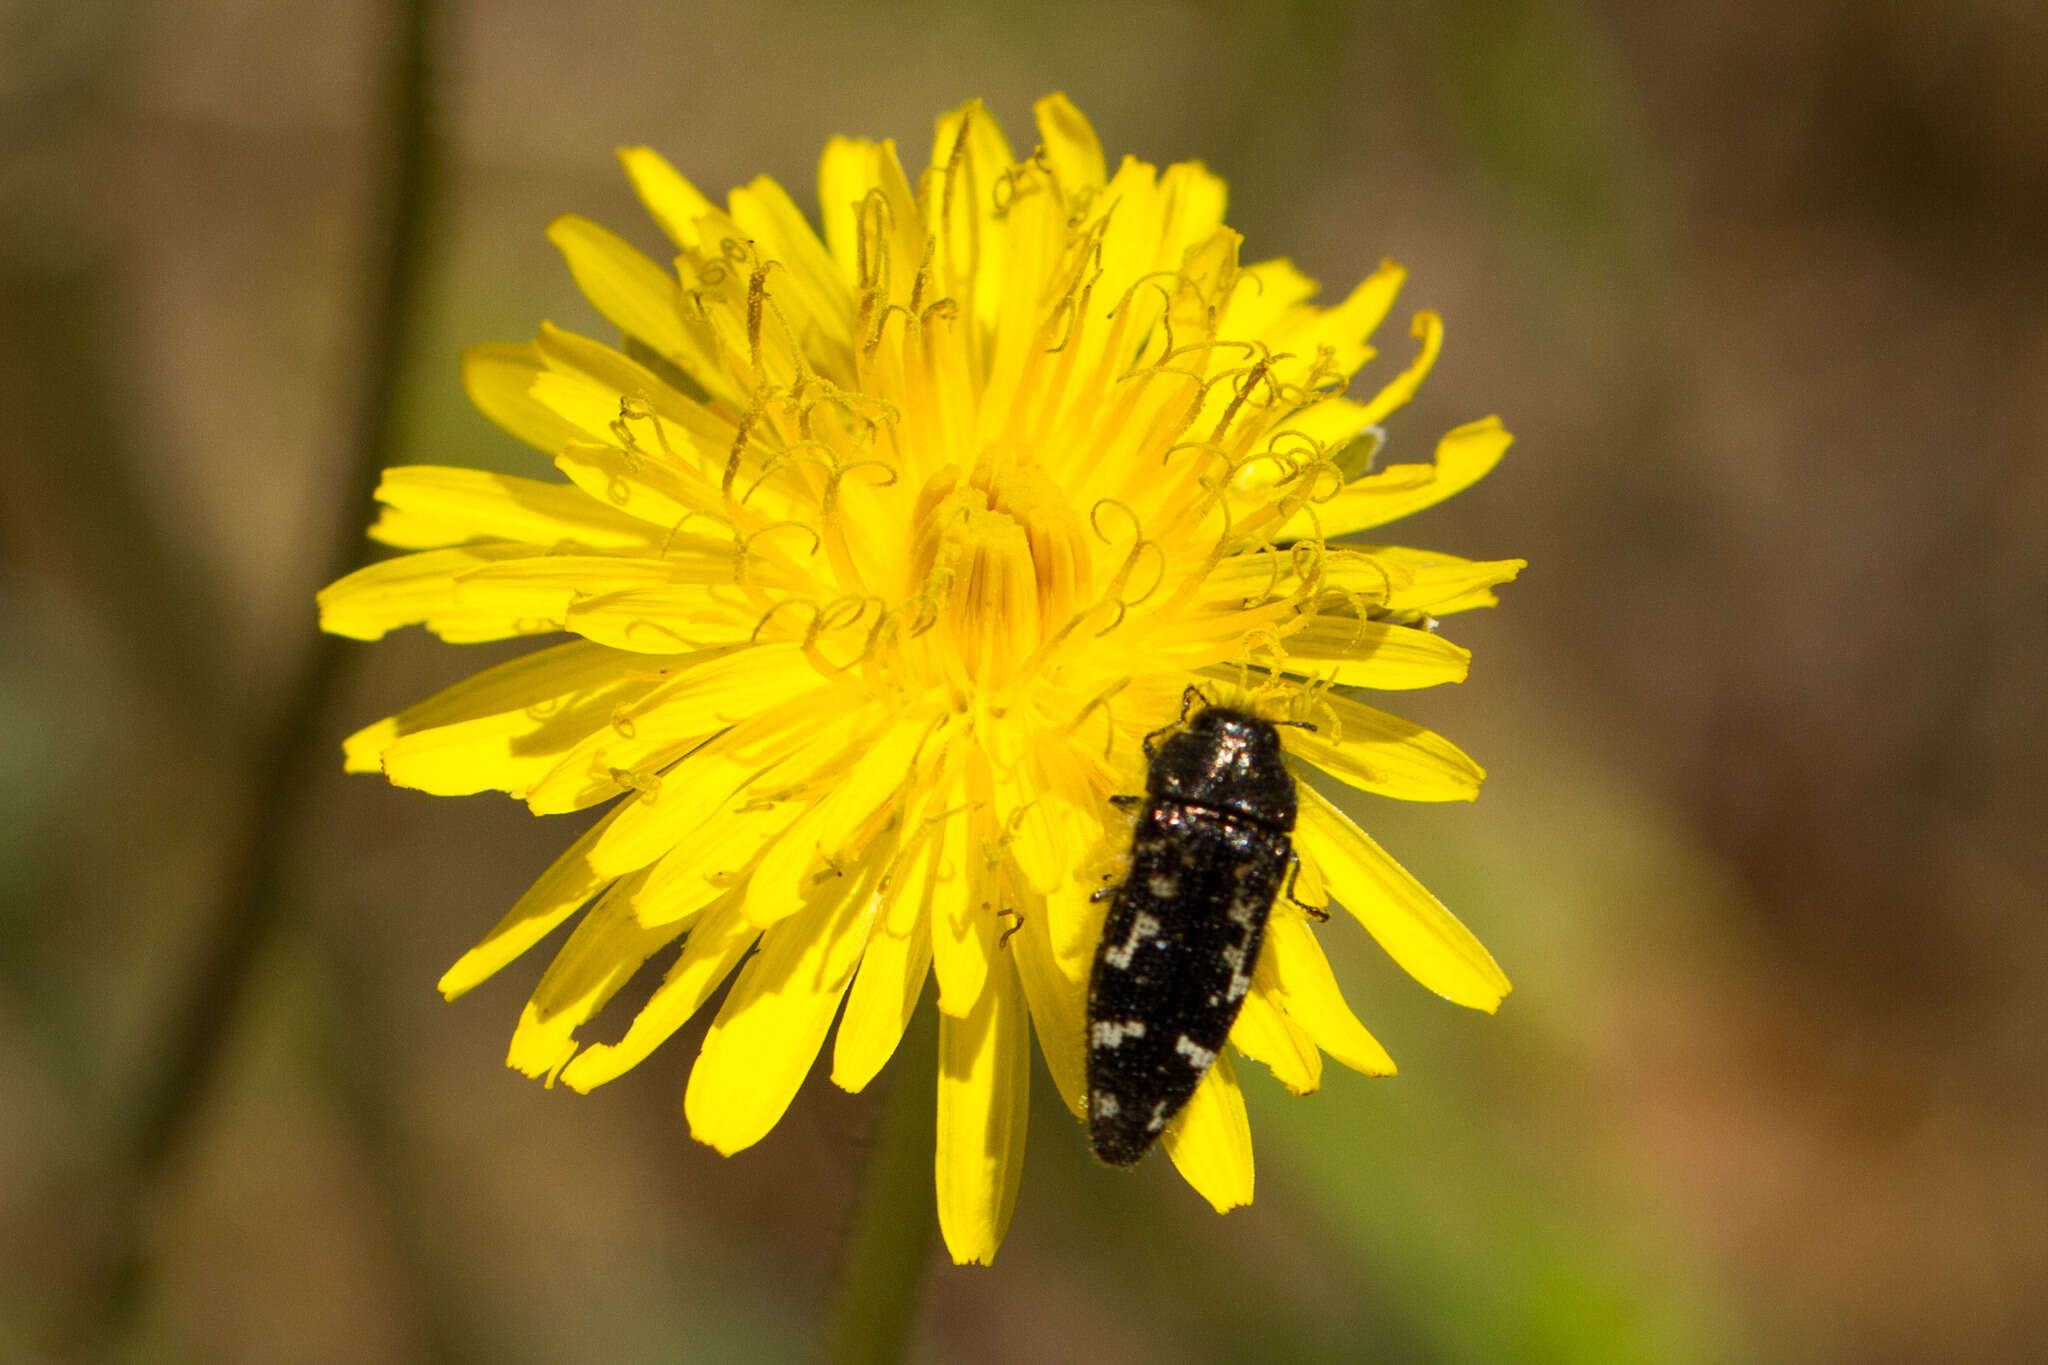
(1000, 563)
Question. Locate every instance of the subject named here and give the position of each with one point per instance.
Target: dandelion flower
(879, 553)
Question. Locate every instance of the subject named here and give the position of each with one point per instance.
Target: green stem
(889, 1248)
(288, 766)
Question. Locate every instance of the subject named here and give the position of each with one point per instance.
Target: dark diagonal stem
(287, 766)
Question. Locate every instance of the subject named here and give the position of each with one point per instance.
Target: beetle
(1210, 848)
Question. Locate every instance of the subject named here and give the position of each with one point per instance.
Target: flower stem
(889, 1247)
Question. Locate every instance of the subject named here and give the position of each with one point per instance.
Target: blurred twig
(287, 764)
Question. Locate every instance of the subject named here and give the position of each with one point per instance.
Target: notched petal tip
(1210, 1140)
(1070, 142)
(1414, 928)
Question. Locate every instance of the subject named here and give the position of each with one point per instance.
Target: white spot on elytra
(1103, 1104)
(1111, 1033)
(1240, 982)
(1163, 887)
(1199, 1057)
(1143, 927)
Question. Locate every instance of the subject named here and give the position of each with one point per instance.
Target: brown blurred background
(1763, 293)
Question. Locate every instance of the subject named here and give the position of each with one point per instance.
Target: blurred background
(1763, 293)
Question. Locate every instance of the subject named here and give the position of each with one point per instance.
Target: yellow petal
(884, 995)
(1137, 247)
(464, 625)
(779, 886)
(845, 175)
(509, 751)
(557, 894)
(1034, 830)
(969, 156)
(1264, 1033)
(634, 293)
(1266, 292)
(1376, 752)
(1307, 990)
(1463, 457)
(405, 591)
(1264, 575)
(714, 857)
(498, 377)
(1210, 1140)
(430, 506)
(826, 831)
(672, 201)
(705, 783)
(1339, 426)
(1070, 145)
(1058, 998)
(1355, 653)
(540, 683)
(546, 586)
(1189, 640)
(1191, 203)
(821, 301)
(894, 226)
(1429, 328)
(983, 154)
(585, 381)
(1355, 570)
(961, 905)
(607, 947)
(694, 696)
(887, 763)
(984, 1094)
(1441, 584)
(672, 620)
(1409, 923)
(662, 496)
(716, 943)
(1343, 328)
(774, 1020)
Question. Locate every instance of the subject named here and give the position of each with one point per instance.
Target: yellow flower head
(881, 553)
